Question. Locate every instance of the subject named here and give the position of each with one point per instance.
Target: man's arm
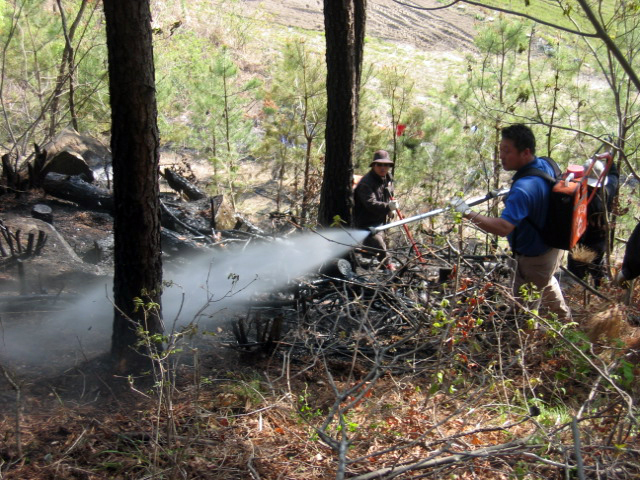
(495, 225)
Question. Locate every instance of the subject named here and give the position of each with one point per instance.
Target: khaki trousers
(540, 272)
(378, 246)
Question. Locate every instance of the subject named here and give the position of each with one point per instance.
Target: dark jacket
(596, 233)
(371, 200)
(631, 262)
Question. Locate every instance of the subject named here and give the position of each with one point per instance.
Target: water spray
(208, 289)
(471, 202)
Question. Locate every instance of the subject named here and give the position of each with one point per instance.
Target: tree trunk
(344, 22)
(134, 145)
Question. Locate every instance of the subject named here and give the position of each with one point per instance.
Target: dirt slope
(444, 29)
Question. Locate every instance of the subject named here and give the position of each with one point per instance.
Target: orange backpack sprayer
(567, 214)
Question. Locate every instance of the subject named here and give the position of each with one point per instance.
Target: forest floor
(255, 412)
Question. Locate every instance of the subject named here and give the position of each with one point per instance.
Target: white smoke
(207, 290)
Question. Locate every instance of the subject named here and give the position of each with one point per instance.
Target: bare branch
(502, 10)
(613, 48)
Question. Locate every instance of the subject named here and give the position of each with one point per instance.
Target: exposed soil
(445, 29)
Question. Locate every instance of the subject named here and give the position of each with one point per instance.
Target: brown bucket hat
(381, 156)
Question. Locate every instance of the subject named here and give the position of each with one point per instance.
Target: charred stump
(42, 212)
(14, 180)
(214, 203)
(36, 176)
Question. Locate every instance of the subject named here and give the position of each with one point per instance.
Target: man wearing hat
(374, 203)
(589, 259)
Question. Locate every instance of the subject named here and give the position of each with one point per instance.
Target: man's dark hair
(521, 136)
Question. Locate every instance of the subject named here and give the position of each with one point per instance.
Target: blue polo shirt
(528, 197)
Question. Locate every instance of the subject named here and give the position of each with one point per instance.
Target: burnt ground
(239, 409)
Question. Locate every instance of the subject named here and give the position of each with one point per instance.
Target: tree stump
(42, 212)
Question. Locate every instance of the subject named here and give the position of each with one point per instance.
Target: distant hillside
(444, 29)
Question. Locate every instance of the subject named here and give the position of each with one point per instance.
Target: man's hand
(393, 205)
(460, 206)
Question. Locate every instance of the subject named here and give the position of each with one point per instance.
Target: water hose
(472, 202)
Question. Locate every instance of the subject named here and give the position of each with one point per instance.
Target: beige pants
(539, 271)
(378, 246)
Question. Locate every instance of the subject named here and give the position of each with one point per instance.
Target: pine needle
(608, 324)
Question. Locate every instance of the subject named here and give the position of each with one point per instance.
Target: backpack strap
(533, 172)
(536, 172)
(557, 171)
(529, 171)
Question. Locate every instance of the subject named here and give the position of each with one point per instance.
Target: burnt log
(182, 185)
(76, 190)
(337, 268)
(241, 235)
(170, 220)
(175, 244)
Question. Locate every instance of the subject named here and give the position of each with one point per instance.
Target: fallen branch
(433, 461)
(584, 284)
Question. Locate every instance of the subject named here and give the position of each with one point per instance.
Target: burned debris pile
(353, 304)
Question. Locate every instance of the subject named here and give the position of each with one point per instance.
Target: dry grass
(611, 325)
(583, 254)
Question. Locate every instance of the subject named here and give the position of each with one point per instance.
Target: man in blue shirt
(525, 207)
